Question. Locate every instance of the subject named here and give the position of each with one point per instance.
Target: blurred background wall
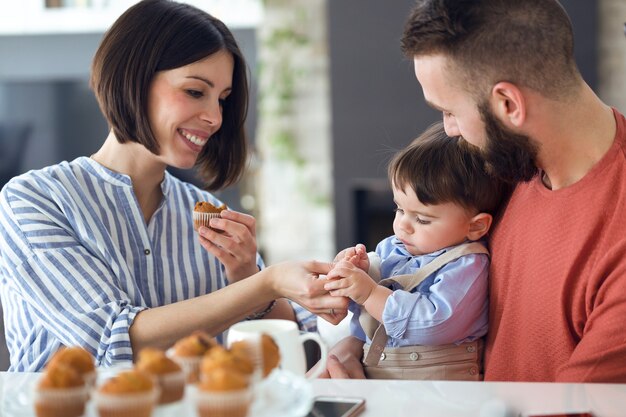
(368, 102)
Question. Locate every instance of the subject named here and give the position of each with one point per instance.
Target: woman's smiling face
(185, 107)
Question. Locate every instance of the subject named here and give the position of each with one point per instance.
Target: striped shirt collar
(116, 178)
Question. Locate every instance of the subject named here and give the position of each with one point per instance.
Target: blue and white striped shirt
(78, 262)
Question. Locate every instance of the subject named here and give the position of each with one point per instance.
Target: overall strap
(408, 282)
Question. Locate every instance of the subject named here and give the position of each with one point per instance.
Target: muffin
(168, 374)
(188, 352)
(218, 357)
(266, 359)
(79, 359)
(131, 393)
(60, 392)
(224, 393)
(203, 212)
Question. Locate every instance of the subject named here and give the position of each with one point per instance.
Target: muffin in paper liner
(223, 403)
(60, 402)
(190, 366)
(167, 374)
(203, 219)
(126, 405)
(172, 387)
(188, 351)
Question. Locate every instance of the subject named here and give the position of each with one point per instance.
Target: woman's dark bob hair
(159, 35)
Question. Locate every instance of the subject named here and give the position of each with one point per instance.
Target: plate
(281, 394)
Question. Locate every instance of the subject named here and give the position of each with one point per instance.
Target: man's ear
(479, 226)
(508, 104)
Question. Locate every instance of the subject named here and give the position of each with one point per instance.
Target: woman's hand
(301, 282)
(233, 242)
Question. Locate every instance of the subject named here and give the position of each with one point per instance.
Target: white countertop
(402, 398)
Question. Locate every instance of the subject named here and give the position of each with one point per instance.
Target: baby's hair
(442, 169)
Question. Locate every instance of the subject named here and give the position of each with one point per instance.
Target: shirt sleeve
(307, 321)
(71, 293)
(449, 308)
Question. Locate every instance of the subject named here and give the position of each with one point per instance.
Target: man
(503, 74)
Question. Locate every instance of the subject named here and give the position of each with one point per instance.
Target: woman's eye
(398, 210)
(194, 93)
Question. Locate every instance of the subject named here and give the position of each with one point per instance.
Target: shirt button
(473, 371)
(383, 356)
(471, 349)
(414, 356)
(147, 251)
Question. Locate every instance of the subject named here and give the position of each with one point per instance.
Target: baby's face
(428, 228)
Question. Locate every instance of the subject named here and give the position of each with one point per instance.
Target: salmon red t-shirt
(558, 279)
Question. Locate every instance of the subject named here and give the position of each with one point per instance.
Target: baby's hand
(358, 257)
(348, 280)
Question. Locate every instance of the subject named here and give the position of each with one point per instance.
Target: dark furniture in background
(13, 140)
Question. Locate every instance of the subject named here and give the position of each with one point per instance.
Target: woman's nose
(212, 114)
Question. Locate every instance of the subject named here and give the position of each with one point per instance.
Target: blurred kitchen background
(332, 99)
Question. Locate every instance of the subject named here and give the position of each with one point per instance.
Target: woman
(100, 252)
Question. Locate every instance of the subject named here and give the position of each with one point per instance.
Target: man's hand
(344, 360)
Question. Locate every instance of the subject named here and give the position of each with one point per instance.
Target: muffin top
(154, 361)
(269, 349)
(75, 357)
(218, 357)
(206, 207)
(271, 354)
(223, 379)
(196, 344)
(60, 376)
(131, 381)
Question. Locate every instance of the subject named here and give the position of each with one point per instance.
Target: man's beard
(509, 156)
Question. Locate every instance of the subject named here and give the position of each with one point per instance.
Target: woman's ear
(479, 226)
(508, 104)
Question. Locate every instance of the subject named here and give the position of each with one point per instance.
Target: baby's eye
(398, 210)
(420, 221)
(194, 93)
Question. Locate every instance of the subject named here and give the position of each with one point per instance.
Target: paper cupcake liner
(66, 402)
(203, 219)
(223, 403)
(90, 379)
(172, 386)
(126, 405)
(190, 366)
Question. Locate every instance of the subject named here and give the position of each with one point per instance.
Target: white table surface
(402, 398)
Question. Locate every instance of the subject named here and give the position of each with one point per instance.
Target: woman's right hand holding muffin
(232, 239)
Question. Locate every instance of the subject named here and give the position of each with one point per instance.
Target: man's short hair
(526, 42)
(159, 35)
(442, 169)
